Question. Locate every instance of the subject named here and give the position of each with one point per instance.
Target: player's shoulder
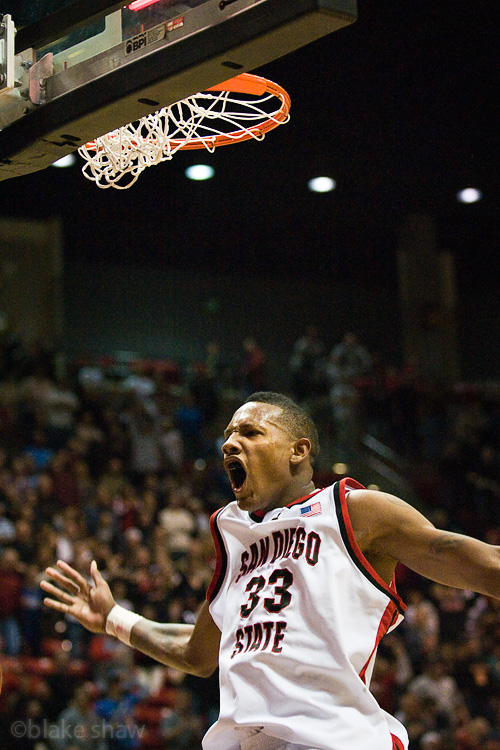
(373, 501)
(378, 516)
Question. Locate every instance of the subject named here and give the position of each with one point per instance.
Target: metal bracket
(7, 47)
(39, 72)
(15, 102)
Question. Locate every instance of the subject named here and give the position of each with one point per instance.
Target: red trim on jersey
(388, 618)
(257, 515)
(352, 484)
(396, 743)
(303, 499)
(220, 563)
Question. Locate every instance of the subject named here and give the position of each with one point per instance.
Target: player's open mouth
(237, 474)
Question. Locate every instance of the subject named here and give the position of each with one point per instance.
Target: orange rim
(244, 83)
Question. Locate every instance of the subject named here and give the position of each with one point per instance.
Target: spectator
(214, 363)
(421, 627)
(145, 450)
(142, 385)
(182, 729)
(39, 451)
(7, 527)
(79, 727)
(473, 735)
(11, 588)
(68, 536)
(62, 684)
(391, 673)
(439, 686)
(411, 714)
(116, 708)
(30, 615)
(204, 391)
(178, 523)
(172, 445)
(348, 361)
(59, 404)
(452, 606)
(113, 481)
(25, 541)
(254, 377)
(32, 715)
(188, 419)
(47, 501)
(65, 487)
(305, 364)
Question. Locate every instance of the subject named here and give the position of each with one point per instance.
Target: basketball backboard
(72, 70)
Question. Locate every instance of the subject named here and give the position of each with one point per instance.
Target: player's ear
(301, 450)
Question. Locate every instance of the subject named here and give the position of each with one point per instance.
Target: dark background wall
(174, 314)
(479, 344)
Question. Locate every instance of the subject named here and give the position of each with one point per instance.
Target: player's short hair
(294, 418)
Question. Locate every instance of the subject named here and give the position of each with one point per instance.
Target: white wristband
(120, 622)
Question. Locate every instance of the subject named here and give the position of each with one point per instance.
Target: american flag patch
(311, 510)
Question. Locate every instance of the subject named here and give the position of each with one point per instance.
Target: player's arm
(189, 648)
(388, 528)
(195, 651)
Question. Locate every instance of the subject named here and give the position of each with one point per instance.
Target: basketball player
(302, 593)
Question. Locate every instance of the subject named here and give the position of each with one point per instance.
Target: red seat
(165, 697)
(50, 646)
(152, 739)
(146, 714)
(41, 666)
(79, 668)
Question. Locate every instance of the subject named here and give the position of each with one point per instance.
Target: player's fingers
(63, 581)
(95, 573)
(58, 606)
(74, 575)
(62, 596)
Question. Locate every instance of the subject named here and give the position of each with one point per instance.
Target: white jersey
(301, 613)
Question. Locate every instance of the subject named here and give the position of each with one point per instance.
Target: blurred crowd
(119, 461)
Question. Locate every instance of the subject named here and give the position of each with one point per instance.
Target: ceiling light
(340, 468)
(140, 4)
(200, 172)
(66, 161)
(322, 184)
(469, 195)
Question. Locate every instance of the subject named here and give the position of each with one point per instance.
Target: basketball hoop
(231, 112)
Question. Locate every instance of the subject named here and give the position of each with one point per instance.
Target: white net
(205, 120)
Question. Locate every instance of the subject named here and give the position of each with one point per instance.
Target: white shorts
(257, 740)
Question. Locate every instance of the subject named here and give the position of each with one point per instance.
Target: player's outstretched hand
(73, 595)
